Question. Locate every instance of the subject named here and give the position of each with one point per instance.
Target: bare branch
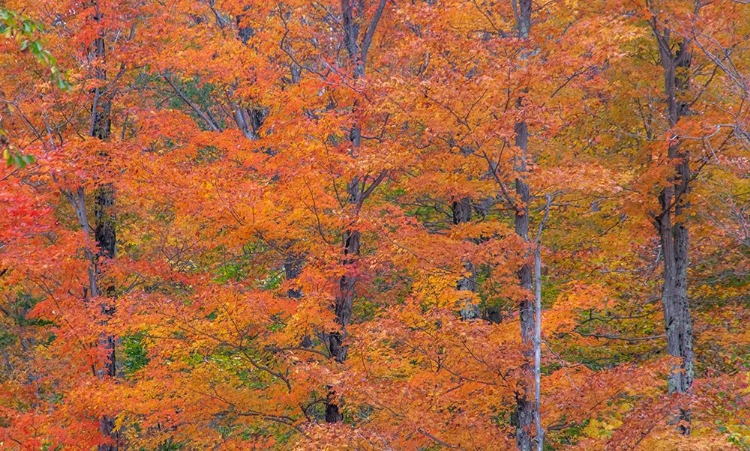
(371, 31)
(215, 127)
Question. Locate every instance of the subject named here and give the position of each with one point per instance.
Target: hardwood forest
(374, 225)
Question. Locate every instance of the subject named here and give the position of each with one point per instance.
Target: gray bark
(524, 406)
(673, 232)
(538, 348)
(249, 120)
(462, 210)
(538, 329)
(525, 409)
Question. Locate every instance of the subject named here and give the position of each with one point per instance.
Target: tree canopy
(374, 225)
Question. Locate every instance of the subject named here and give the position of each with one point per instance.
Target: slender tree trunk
(357, 189)
(670, 223)
(524, 397)
(345, 298)
(538, 329)
(538, 348)
(104, 232)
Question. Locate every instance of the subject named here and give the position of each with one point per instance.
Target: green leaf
(20, 161)
(36, 48)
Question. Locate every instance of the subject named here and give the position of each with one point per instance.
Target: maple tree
(374, 225)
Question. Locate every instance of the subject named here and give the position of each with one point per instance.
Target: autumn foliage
(235, 224)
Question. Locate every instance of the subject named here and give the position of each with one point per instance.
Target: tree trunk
(249, 120)
(344, 300)
(673, 233)
(524, 406)
(462, 214)
(538, 348)
(292, 269)
(357, 190)
(104, 232)
(538, 329)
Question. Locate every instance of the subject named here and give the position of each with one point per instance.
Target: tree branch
(371, 32)
(215, 127)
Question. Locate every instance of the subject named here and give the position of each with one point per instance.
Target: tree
(319, 225)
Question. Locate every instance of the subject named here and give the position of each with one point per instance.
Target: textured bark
(357, 190)
(538, 348)
(345, 298)
(462, 210)
(673, 233)
(249, 120)
(347, 284)
(104, 232)
(332, 409)
(538, 328)
(292, 269)
(244, 31)
(524, 405)
(101, 122)
(104, 201)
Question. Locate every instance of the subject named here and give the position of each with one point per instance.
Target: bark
(244, 31)
(347, 284)
(525, 409)
(538, 329)
(524, 406)
(104, 232)
(538, 348)
(249, 120)
(673, 232)
(358, 192)
(78, 200)
(293, 264)
(462, 210)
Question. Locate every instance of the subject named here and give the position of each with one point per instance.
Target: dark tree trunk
(104, 201)
(292, 269)
(344, 300)
(105, 235)
(248, 120)
(104, 232)
(673, 233)
(462, 211)
(357, 192)
(525, 394)
(332, 409)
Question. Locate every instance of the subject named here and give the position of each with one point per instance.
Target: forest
(374, 225)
